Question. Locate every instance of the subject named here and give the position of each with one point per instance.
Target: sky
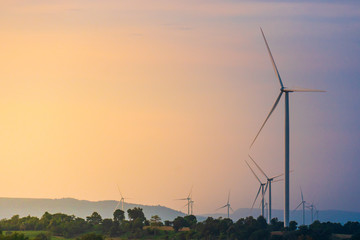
(160, 96)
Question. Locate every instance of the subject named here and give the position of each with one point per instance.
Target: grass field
(33, 234)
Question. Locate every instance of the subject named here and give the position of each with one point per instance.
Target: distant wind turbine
(261, 188)
(303, 202)
(122, 200)
(287, 129)
(268, 185)
(227, 206)
(312, 207)
(189, 202)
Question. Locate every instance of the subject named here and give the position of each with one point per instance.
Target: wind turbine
(268, 186)
(227, 206)
(286, 91)
(303, 206)
(312, 207)
(122, 200)
(189, 202)
(261, 188)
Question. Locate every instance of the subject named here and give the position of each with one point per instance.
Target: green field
(33, 234)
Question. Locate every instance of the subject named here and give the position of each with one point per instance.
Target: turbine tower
(303, 206)
(261, 188)
(286, 91)
(268, 186)
(190, 206)
(227, 206)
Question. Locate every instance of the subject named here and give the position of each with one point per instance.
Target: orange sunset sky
(157, 96)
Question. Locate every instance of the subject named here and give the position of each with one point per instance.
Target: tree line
(94, 227)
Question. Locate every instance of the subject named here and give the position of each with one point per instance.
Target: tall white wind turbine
(261, 188)
(268, 186)
(303, 206)
(286, 91)
(227, 206)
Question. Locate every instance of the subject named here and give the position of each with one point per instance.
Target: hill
(79, 208)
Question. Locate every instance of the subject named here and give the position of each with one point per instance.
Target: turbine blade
(220, 208)
(232, 209)
(302, 197)
(119, 190)
(189, 196)
(253, 172)
(117, 205)
(258, 167)
(279, 180)
(272, 60)
(302, 90)
(278, 175)
(266, 187)
(297, 207)
(256, 198)
(268, 116)
(181, 199)
(281, 174)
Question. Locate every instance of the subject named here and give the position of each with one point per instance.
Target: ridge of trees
(94, 227)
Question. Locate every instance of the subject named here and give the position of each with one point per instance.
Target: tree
(106, 225)
(276, 225)
(191, 221)
(356, 236)
(293, 225)
(261, 222)
(155, 221)
(119, 215)
(261, 234)
(179, 223)
(94, 219)
(136, 213)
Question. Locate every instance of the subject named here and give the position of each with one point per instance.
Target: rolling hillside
(79, 208)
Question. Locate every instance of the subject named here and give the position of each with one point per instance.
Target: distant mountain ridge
(83, 208)
(80, 208)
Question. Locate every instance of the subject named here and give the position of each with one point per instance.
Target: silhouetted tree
(119, 215)
(155, 221)
(292, 225)
(94, 219)
(136, 213)
(179, 223)
(106, 225)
